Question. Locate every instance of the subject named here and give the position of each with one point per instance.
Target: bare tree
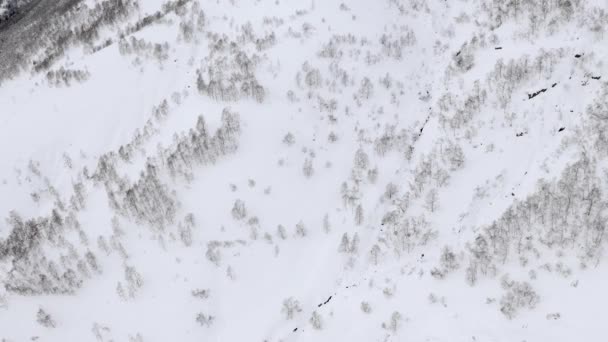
(359, 215)
(45, 319)
(239, 211)
(431, 200)
(316, 320)
(291, 307)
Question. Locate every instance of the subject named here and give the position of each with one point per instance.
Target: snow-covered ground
(394, 170)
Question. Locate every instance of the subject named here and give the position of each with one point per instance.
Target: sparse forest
(227, 170)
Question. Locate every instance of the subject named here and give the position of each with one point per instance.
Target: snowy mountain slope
(311, 171)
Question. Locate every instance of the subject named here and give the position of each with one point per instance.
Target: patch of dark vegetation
(38, 33)
(536, 93)
(12, 10)
(21, 32)
(103, 14)
(23, 237)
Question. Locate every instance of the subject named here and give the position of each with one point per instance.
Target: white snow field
(316, 170)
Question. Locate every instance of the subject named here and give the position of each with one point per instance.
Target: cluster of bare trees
(199, 147)
(403, 233)
(89, 23)
(68, 25)
(393, 46)
(231, 87)
(228, 74)
(149, 199)
(448, 262)
(393, 139)
(33, 272)
(596, 125)
(44, 318)
(454, 116)
(133, 281)
(568, 214)
(534, 14)
(159, 113)
(507, 77)
(176, 6)
(518, 295)
(65, 77)
(214, 249)
(140, 47)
